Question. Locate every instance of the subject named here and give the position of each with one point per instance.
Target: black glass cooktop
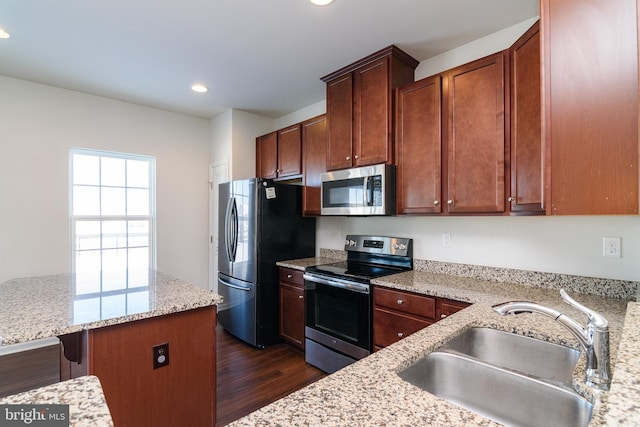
(356, 271)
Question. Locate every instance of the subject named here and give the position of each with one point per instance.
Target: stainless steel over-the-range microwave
(368, 190)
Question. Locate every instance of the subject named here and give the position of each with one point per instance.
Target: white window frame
(73, 219)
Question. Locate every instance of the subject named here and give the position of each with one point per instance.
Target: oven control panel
(379, 245)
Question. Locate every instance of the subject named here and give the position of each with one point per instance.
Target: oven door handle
(336, 283)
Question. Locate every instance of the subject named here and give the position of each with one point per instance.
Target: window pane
(86, 169)
(114, 234)
(113, 201)
(138, 267)
(86, 200)
(88, 264)
(137, 202)
(114, 306)
(138, 233)
(86, 310)
(87, 235)
(114, 269)
(137, 174)
(137, 302)
(112, 171)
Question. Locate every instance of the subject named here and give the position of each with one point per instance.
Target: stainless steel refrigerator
(260, 223)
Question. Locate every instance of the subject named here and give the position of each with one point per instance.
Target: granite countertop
(40, 307)
(87, 406)
(369, 392)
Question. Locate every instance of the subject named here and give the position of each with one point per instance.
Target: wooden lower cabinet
(180, 393)
(398, 314)
(292, 307)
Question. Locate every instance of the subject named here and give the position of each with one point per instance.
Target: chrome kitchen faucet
(594, 337)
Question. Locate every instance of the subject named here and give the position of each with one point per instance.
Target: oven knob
(352, 243)
(399, 246)
(346, 242)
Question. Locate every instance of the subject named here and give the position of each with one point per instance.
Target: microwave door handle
(369, 191)
(365, 187)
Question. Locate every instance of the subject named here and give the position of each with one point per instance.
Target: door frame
(218, 173)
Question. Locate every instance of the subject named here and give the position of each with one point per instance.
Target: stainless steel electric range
(339, 303)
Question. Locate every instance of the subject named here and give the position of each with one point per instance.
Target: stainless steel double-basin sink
(509, 378)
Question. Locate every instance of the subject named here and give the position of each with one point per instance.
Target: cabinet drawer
(405, 302)
(391, 327)
(291, 276)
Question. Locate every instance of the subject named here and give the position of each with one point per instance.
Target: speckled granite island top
(370, 393)
(87, 406)
(47, 306)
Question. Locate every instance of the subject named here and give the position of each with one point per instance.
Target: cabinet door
(314, 162)
(339, 122)
(267, 155)
(526, 124)
(591, 105)
(292, 314)
(372, 114)
(475, 136)
(289, 151)
(390, 327)
(418, 147)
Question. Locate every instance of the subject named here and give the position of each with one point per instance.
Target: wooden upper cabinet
(359, 108)
(279, 154)
(267, 155)
(314, 162)
(339, 126)
(526, 191)
(419, 147)
(590, 83)
(289, 151)
(373, 119)
(475, 136)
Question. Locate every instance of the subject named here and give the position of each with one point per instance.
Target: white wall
(480, 48)
(301, 114)
(555, 244)
(246, 127)
(38, 125)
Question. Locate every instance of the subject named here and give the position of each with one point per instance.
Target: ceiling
(265, 57)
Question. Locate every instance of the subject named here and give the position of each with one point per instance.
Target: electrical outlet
(446, 239)
(160, 355)
(611, 247)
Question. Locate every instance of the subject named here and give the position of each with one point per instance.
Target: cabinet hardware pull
(348, 158)
(449, 202)
(300, 296)
(400, 334)
(511, 199)
(400, 302)
(442, 316)
(355, 157)
(435, 202)
(289, 276)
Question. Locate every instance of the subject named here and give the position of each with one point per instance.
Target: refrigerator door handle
(234, 241)
(242, 288)
(228, 230)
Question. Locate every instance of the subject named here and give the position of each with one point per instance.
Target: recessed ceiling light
(4, 34)
(321, 2)
(199, 88)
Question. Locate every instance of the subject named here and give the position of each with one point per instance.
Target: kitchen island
(110, 324)
(369, 392)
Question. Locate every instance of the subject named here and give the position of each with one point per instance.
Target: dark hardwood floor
(248, 378)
